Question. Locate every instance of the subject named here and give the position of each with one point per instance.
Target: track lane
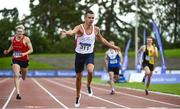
(86, 101)
(6, 87)
(50, 94)
(132, 97)
(154, 97)
(32, 97)
(63, 89)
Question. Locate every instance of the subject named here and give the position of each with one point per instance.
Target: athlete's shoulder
(78, 26)
(96, 28)
(27, 39)
(12, 38)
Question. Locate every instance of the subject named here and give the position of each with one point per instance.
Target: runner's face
(149, 41)
(19, 31)
(89, 19)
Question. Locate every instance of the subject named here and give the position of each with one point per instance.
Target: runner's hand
(62, 34)
(23, 54)
(117, 48)
(6, 52)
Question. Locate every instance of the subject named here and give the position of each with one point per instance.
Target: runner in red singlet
(21, 47)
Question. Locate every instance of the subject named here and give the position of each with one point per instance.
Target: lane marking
(152, 100)
(160, 93)
(141, 97)
(140, 90)
(64, 106)
(54, 82)
(9, 98)
(4, 80)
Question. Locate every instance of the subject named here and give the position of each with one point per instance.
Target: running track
(49, 93)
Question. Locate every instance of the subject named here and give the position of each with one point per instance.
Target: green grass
(34, 65)
(5, 63)
(172, 53)
(53, 55)
(165, 88)
(168, 53)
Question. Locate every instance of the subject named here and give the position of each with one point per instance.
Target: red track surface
(45, 93)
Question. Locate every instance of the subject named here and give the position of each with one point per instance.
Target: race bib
(148, 58)
(114, 61)
(84, 46)
(17, 54)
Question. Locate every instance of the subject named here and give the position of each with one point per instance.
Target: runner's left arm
(156, 52)
(120, 54)
(105, 42)
(29, 44)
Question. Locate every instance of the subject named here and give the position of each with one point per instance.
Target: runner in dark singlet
(149, 54)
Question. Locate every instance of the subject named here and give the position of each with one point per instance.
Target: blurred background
(117, 19)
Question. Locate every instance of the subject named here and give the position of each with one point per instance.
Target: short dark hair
(89, 12)
(150, 37)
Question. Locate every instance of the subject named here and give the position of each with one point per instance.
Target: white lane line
(152, 100)
(54, 82)
(50, 94)
(140, 97)
(4, 80)
(160, 93)
(9, 98)
(141, 90)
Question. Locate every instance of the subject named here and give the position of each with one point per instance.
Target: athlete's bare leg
(111, 78)
(148, 80)
(16, 70)
(148, 74)
(24, 73)
(90, 69)
(116, 77)
(78, 83)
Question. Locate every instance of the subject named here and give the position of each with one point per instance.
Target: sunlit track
(50, 94)
(9, 98)
(156, 101)
(152, 92)
(99, 98)
(131, 95)
(4, 80)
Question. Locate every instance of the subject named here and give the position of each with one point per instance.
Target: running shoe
(146, 92)
(77, 104)
(112, 92)
(18, 97)
(90, 92)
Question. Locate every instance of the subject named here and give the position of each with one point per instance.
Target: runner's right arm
(71, 32)
(9, 49)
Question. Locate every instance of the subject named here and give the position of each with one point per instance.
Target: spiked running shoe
(112, 92)
(146, 92)
(18, 97)
(90, 92)
(77, 104)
